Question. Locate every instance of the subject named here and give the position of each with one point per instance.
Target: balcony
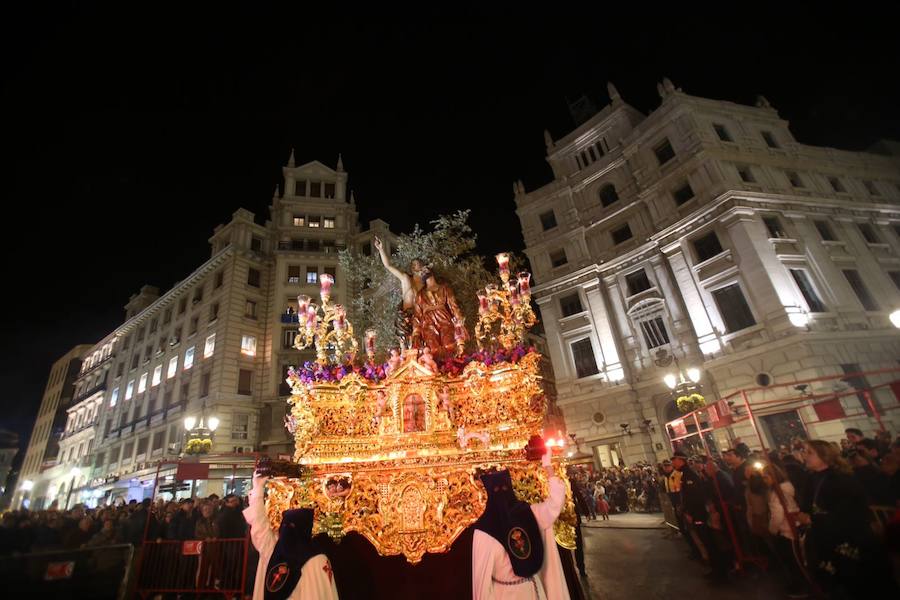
(310, 246)
(290, 318)
(89, 393)
(96, 366)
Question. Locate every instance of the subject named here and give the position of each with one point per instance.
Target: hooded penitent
(293, 549)
(511, 522)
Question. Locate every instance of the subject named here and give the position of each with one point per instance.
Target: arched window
(608, 194)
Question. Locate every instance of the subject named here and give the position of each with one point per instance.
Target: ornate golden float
(395, 458)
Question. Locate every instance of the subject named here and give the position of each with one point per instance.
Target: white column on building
(687, 286)
(550, 317)
(766, 279)
(612, 364)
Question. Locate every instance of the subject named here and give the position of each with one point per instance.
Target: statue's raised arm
(406, 280)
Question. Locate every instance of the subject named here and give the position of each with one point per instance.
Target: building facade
(215, 347)
(40, 464)
(705, 235)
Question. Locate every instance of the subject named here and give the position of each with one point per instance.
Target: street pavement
(636, 557)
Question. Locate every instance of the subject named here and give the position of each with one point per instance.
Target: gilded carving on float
(394, 458)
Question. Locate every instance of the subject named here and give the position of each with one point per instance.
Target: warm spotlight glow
(27, 485)
(693, 374)
(213, 423)
(670, 380)
(189, 422)
(895, 318)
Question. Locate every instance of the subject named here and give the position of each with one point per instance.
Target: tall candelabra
(504, 311)
(325, 326)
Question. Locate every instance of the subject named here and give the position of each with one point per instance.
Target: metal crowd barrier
(87, 573)
(193, 566)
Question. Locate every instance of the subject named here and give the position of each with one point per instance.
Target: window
(195, 323)
(213, 312)
(868, 233)
(220, 279)
(300, 188)
(870, 187)
(331, 271)
(592, 153)
(158, 440)
(154, 325)
(570, 305)
(256, 244)
(283, 388)
(734, 308)
(769, 139)
(860, 289)
(185, 391)
(773, 226)
(120, 368)
(248, 345)
(794, 178)
(664, 152)
(250, 309)
(157, 375)
(314, 222)
(558, 258)
(896, 227)
(240, 426)
(204, 385)
(142, 384)
(608, 195)
(176, 337)
(722, 133)
(167, 397)
(895, 277)
(329, 190)
(299, 221)
(288, 336)
(140, 334)
(312, 276)
(293, 273)
(173, 367)
(583, 356)
(253, 277)
(622, 234)
(244, 377)
(136, 357)
(313, 245)
(198, 295)
(654, 332)
(683, 194)
(188, 358)
(548, 220)
(129, 390)
(813, 302)
(825, 231)
(857, 382)
(836, 185)
(707, 246)
(637, 282)
(328, 222)
(210, 346)
(315, 189)
(142, 445)
(114, 398)
(182, 306)
(746, 173)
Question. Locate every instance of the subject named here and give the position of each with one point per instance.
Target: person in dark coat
(231, 521)
(695, 493)
(843, 554)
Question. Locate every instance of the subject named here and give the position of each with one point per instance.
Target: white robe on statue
(491, 562)
(316, 578)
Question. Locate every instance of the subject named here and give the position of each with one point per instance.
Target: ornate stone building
(217, 346)
(705, 235)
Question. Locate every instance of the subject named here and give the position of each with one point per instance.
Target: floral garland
(689, 403)
(198, 446)
(313, 372)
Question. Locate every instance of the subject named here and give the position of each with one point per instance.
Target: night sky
(127, 138)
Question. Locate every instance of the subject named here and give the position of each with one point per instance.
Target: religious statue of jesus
(434, 316)
(410, 284)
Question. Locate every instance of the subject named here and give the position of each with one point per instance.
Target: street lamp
(685, 386)
(27, 485)
(200, 431)
(895, 318)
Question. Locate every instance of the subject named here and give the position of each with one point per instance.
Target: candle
(326, 281)
(302, 304)
(503, 261)
(311, 316)
(339, 317)
(482, 303)
(370, 343)
(513, 294)
(525, 283)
